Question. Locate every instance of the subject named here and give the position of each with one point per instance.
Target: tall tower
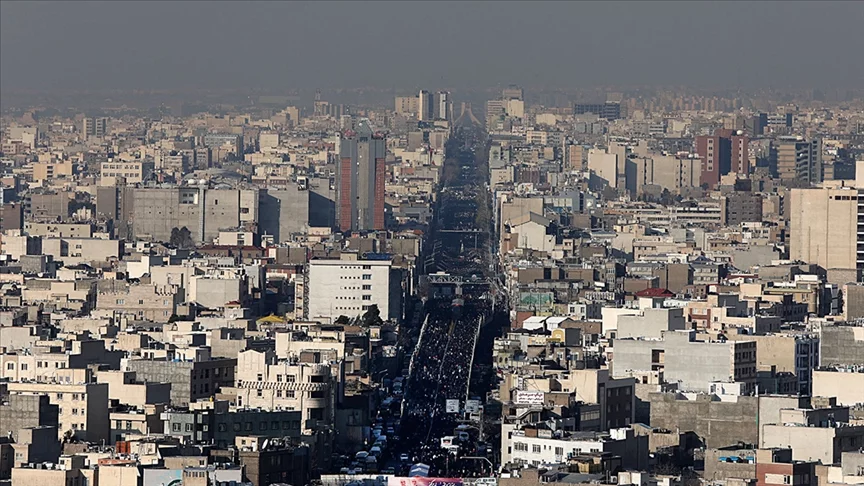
(426, 106)
(360, 175)
(442, 105)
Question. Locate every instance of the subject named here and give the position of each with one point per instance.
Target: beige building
(75, 251)
(132, 172)
(823, 227)
(83, 407)
(123, 387)
(264, 381)
(43, 171)
(151, 302)
(847, 386)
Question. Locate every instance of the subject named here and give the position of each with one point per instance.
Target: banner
(397, 481)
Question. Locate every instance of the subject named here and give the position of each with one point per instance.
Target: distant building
(727, 151)
(799, 160)
(349, 287)
(426, 106)
(94, 127)
(608, 110)
(360, 175)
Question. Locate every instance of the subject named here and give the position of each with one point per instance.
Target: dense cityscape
(501, 285)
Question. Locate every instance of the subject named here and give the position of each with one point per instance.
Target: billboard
(472, 406)
(397, 481)
(524, 397)
(452, 405)
(538, 302)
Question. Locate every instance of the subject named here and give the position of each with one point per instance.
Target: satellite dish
(265, 444)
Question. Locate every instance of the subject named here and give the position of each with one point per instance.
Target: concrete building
(21, 411)
(360, 177)
(799, 160)
(727, 151)
(349, 287)
(155, 212)
(811, 443)
(83, 408)
(824, 228)
(208, 422)
(535, 447)
(846, 384)
(94, 127)
(693, 365)
(265, 382)
(144, 301)
(786, 353)
(720, 421)
(841, 345)
(426, 106)
(124, 387)
(190, 380)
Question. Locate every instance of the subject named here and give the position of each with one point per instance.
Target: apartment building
(82, 407)
(350, 287)
(266, 382)
(693, 365)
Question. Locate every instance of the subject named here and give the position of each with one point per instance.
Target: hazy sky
(405, 44)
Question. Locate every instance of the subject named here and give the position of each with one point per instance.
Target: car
(391, 431)
(375, 451)
(361, 455)
(404, 458)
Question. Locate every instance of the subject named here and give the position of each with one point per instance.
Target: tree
(182, 238)
(372, 317)
(343, 319)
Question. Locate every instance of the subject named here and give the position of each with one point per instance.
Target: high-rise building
(426, 106)
(512, 92)
(360, 176)
(94, 127)
(609, 110)
(799, 160)
(442, 105)
(407, 105)
(495, 112)
(727, 151)
(824, 227)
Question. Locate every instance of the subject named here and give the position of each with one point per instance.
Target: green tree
(372, 317)
(182, 238)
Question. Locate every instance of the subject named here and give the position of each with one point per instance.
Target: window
(278, 393)
(367, 297)
(367, 267)
(278, 378)
(118, 424)
(559, 451)
(120, 301)
(367, 276)
(289, 393)
(286, 425)
(367, 287)
(248, 426)
(74, 411)
(290, 378)
(23, 366)
(128, 425)
(260, 377)
(262, 425)
(10, 366)
(237, 427)
(175, 427)
(274, 425)
(188, 427)
(222, 427)
(535, 449)
(259, 392)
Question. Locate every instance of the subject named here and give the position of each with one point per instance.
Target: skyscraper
(727, 151)
(426, 106)
(442, 105)
(94, 127)
(799, 159)
(360, 174)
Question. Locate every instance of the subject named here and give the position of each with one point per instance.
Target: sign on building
(525, 397)
(452, 405)
(472, 406)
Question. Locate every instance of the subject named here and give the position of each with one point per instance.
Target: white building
(349, 287)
